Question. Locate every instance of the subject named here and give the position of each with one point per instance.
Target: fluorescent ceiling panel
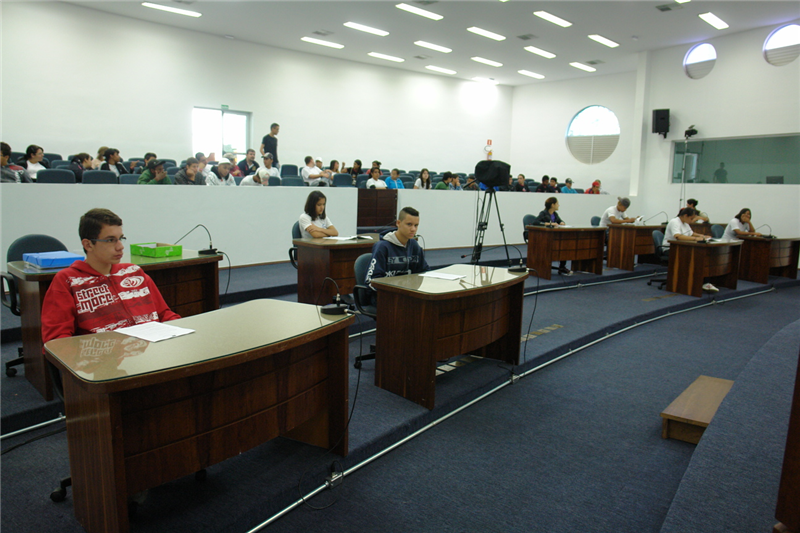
(440, 69)
(175, 10)
(581, 66)
(486, 61)
(558, 21)
(714, 20)
(602, 40)
(540, 52)
(432, 46)
(387, 58)
(531, 74)
(366, 29)
(421, 12)
(486, 33)
(322, 43)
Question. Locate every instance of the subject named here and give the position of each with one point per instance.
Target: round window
(783, 45)
(593, 134)
(699, 61)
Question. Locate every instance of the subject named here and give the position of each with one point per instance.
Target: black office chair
(296, 234)
(100, 176)
(363, 298)
(26, 244)
(527, 220)
(663, 257)
(595, 221)
(717, 231)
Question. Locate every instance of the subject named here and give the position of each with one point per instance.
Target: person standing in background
(270, 144)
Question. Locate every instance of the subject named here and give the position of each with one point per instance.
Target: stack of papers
(154, 331)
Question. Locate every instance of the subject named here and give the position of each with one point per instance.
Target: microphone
(337, 307)
(211, 250)
(659, 213)
(770, 236)
(517, 269)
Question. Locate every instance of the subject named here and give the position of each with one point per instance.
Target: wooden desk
(189, 285)
(626, 241)
(691, 264)
(376, 207)
(422, 320)
(762, 258)
(141, 414)
(321, 258)
(703, 228)
(583, 246)
(787, 510)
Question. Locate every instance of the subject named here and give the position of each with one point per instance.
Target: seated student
(313, 175)
(236, 172)
(554, 185)
(678, 229)
(314, 223)
(567, 188)
(148, 156)
(190, 174)
(263, 174)
(394, 181)
(155, 174)
(355, 170)
(424, 180)
(741, 225)
(545, 185)
(595, 188)
(33, 161)
(248, 165)
(616, 214)
(334, 167)
(375, 180)
(520, 185)
(100, 158)
(699, 216)
(455, 183)
(398, 252)
(549, 217)
(99, 293)
(79, 163)
(11, 173)
(221, 175)
(113, 163)
(205, 170)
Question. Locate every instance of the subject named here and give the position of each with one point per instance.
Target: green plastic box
(156, 249)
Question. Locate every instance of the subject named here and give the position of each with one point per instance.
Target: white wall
(157, 74)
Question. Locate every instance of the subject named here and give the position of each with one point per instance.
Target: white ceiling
(637, 25)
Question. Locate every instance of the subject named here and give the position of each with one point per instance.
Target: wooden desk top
(323, 242)
(222, 338)
(24, 272)
(634, 226)
(779, 239)
(698, 404)
(477, 279)
(710, 244)
(570, 228)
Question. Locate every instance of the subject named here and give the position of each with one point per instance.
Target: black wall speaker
(661, 121)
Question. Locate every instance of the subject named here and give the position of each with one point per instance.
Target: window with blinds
(699, 60)
(593, 134)
(783, 45)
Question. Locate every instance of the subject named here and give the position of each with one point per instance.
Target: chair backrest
(342, 180)
(414, 173)
(16, 157)
(296, 233)
(53, 157)
(528, 220)
(60, 163)
(274, 181)
(169, 163)
(171, 171)
(100, 176)
(596, 222)
(385, 171)
(658, 242)
(33, 243)
(238, 179)
(363, 297)
(289, 170)
(579, 191)
(717, 231)
(129, 179)
(292, 181)
(55, 175)
(361, 181)
(408, 182)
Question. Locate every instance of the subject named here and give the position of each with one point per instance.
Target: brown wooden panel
(787, 510)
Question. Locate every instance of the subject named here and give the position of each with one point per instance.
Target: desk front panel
(762, 258)
(691, 265)
(334, 260)
(583, 246)
(625, 242)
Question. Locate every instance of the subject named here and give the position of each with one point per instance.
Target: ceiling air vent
(594, 62)
(669, 7)
(425, 2)
(323, 33)
(423, 57)
(527, 37)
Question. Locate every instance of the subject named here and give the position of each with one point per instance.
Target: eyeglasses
(110, 240)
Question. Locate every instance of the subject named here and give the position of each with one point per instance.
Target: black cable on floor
(34, 439)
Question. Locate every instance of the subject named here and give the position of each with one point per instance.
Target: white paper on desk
(351, 238)
(442, 275)
(154, 331)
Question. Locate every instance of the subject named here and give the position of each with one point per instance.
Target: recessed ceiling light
(229, 37)
(367, 29)
(581, 66)
(433, 47)
(175, 10)
(540, 52)
(486, 33)
(552, 18)
(531, 74)
(714, 20)
(602, 40)
(387, 58)
(486, 61)
(322, 43)
(421, 12)
(440, 69)
(682, 1)
(490, 81)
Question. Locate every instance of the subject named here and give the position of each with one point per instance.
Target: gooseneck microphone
(770, 236)
(337, 307)
(654, 216)
(211, 250)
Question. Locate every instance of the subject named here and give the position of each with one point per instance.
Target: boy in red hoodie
(100, 294)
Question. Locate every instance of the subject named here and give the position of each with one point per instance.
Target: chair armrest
(9, 298)
(293, 256)
(362, 294)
